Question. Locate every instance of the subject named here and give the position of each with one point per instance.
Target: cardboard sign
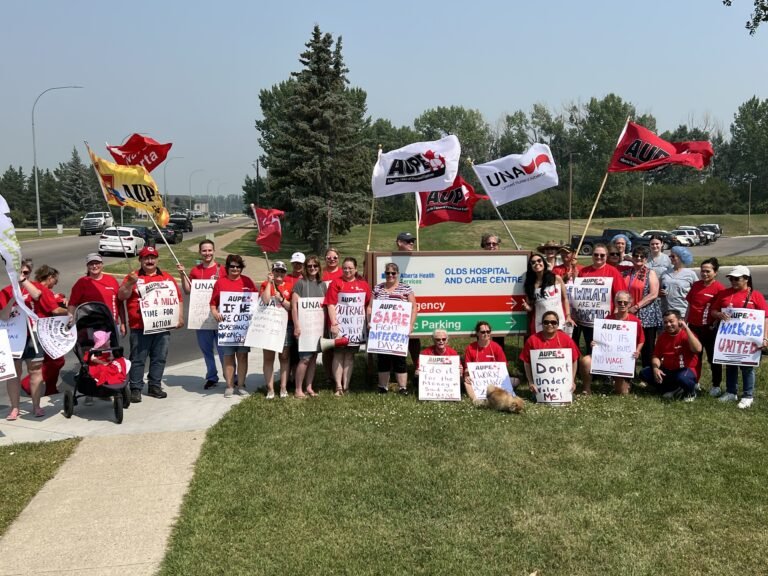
(484, 374)
(55, 337)
(552, 375)
(590, 298)
(439, 378)
(16, 328)
(350, 314)
(312, 322)
(7, 366)
(390, 327)
(616, 342)
(236, 309)
(200, 317)
(739, 340)
(159, 306)
(268, 326)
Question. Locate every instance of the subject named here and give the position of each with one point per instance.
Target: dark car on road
(183, 221)
(144, 232)
(173, 234)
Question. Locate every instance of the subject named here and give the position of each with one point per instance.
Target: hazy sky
(190, 72)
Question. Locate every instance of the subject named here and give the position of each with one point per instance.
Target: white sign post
(590, 298)
(484, 374)
(552, 375)
(7, 366)
(16, 327)
(236, 309)
(200, 317)
(350, 314)
(312, 322)
(55, 337)
(390, 327)
(739, 340)
(613, 353)
(159, 307)
(268, 326)
(439, 378)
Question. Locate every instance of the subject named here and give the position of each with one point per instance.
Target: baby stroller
(89, 318)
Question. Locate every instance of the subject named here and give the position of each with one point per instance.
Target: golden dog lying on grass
(501, 400)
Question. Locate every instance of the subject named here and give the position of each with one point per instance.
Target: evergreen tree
(79, 189)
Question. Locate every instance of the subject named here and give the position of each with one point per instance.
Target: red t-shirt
(199, 272)
(491, 353)
(329, 276)
(46, 304)
(224, 284)
(135, 321)
(430, 351)
(738, 298)
(632, 318)
(340, 285)
(675, 352)
(606, 271)
(89, 289)
(285, 289)
(700, 299)
(539, 342)
(7, 293)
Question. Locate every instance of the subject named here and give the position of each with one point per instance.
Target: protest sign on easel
(236, 309)
(16, 327)
(439, 378)
(484, 374)
(390, 328)
(55, 337)
(7, 366)
(200, 317)
(552, 375)
(739, 340)
(590, 298)
(615, 345)
(312, 322)
(159, 305)
(350, 315)
(268, 326)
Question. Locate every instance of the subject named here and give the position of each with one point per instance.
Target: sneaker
(673, 394)
(157, 392)
(209, 384)
(135, 395)
(745, 403)
(697, 389)
(689, 397)
(241, 391)
(270, 395)
(383, 390)
(283, 394)
(228, 393)
(728, 397)
(715, 391)
(89, 400)
(402, 391)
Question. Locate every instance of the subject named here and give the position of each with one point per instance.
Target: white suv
(690, 235)
(96, 222)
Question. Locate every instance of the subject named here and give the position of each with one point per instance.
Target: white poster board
(200, 317)
(350, 315)
(236, 309)
(552, 375)
(312, 322)
(484, 374)
(268, 326)
(7, 366)
(615, 344)
(739, 340)
(55, 337)
(590, 298)
(159, 306)
(390, 327)
(439, 378)
(16, 327)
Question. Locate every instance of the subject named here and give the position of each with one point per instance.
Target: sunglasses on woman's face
(236, 267)
(537, 261)
(390, 273)
(312, 266)
(549, 322)
(622, 302)
(483, 331)
(614, 253)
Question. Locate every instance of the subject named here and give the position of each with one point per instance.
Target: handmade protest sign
(56, 337)
(590, 298)
(739, 340)
(312, 322)
(350, 314)
(390, 327)
(7, 366)
(159, 304)
(484, 374)
(613, 353)
(200, 317)
(268, 326)
(439, 378)
(552, 370)
(236, 309)
(16, 328)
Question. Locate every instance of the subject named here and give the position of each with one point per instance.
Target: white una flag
(518, 175)
(418, 167)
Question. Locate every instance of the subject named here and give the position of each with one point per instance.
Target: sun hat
(93, 257)
(549, 245)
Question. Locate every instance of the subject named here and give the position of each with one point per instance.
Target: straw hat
(549, 245)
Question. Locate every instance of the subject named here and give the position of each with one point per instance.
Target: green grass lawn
(22, 235)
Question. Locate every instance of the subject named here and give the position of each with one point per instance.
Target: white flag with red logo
(518, 175)
(422, 166)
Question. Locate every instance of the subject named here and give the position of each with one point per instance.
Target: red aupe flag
(270, 231)
(454, 204)
(140, 150)
(641, 149)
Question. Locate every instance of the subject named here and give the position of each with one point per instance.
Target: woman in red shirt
(484, 350)
(550, 337)
(699, 317)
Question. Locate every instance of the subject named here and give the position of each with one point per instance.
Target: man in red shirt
(675, 364)
(137, 286)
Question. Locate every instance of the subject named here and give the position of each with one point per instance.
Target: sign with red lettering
(390, 326)
(553, 375)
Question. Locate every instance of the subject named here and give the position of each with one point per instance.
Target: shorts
(388, 363)
(232, 350)
(29, 350)
(303, 355)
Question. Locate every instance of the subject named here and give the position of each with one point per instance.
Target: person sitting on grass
(439, 348)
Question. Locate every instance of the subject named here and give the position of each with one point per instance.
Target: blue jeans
(206, 340)
(747, 377)
(684, 378)
(156, 347)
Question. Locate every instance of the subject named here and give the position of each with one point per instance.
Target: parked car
(608, 233)
(173, 234)
(119, 239)
(693, 238)
(183, 221)
(706, 237)
(213, 217)
(715, 228)
(95, 222)
(668, 240)
(148, 234)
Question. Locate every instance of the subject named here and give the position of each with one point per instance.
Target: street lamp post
(34, 154)
(190, 185)
(165, 165)
(749, 210)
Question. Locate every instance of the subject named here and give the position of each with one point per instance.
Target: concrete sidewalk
(111, 507)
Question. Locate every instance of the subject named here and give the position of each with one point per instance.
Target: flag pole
(370, 222)
(493, 202)
(160, 233)
(416, 208)
(599, 192)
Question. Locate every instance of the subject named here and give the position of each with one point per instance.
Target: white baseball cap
(738, 272)
(298, 257)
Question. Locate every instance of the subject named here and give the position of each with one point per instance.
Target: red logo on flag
(641, 149)
(454, 204)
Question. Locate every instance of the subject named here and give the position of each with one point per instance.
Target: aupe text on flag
(518, 175)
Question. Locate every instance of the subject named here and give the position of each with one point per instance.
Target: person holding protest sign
(675, 364)
(207, 269)
(48, 304)
(701, 320)
(550, 337)
(310, 285)
(490, 242)
(544, 291)
(657, 260)
(346, 301)
(135, 291)
(235, 356)
(643, 285)
(393, 290)
(676, 283)
(440, 348)
(276, 291)
(624, 303)
(484, 349)
(741, 294)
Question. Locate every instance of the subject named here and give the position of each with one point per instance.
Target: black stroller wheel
(126, 394)
(69, 403)
(117, 402)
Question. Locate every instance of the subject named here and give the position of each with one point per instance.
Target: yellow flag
(128, 186)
